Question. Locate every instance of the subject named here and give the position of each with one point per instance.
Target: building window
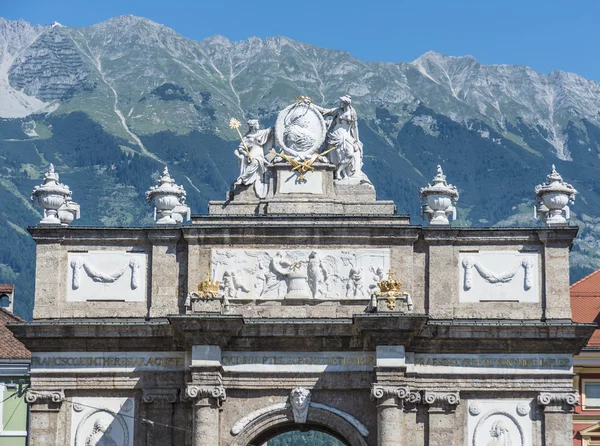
(592, 394)
(13, 416)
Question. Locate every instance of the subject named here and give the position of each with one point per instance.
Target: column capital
(158, 395)
(379, 392)
(197, 392)
(558, 401)
(43, 396)
(446, 400)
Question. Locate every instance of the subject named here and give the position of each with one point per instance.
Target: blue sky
(545, 35)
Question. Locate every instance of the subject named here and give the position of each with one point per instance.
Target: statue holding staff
(251, 156)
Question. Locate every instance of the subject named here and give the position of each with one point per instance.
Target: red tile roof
(10, 347)
(6, 289)
(585, 303)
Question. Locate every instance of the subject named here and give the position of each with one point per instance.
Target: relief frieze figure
(299, 274)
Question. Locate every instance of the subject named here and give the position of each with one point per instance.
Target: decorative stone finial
(169, 201)
(439, 200)
(552, 198)
(55, 198)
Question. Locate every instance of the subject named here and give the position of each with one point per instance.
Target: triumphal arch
(301, 302)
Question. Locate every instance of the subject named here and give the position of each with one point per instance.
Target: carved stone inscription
(498, 276)
(299, 274)
(496, 364)
(298, 362)
(98, 362)
(106, 275)
(499, 423)
(102, 422)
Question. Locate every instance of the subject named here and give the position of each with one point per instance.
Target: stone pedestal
(316, 193)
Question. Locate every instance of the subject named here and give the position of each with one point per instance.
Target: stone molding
(41, 396)
(160, 395)
(546, 399)
(261, 413)
(193, 392)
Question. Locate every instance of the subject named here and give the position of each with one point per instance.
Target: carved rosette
(193, 392)
(558, 399)
(44, 396)
(447, 399)
(160, 395)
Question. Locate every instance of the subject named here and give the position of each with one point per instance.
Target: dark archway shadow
(285, 428)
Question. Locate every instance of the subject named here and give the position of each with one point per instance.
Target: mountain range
(112, 103)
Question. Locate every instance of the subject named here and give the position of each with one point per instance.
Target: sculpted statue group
(305, 133)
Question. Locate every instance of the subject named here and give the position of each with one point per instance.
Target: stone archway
(271, 424)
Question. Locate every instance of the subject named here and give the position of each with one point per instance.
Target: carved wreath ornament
(496, 278)
(104, 277)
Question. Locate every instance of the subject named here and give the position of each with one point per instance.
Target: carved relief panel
(499, 276)
(106, 275)
(102, 422)
(499, 423)
(299, 274)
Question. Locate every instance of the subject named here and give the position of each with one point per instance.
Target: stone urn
(439, 200)
(51, 195)
(68, 212)
(552, 199)
(166, 197)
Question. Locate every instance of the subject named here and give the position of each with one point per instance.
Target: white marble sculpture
(304, 136)
(169, 200)
(343, 135)
(552, 198)
(300, 402)
(499, 275)
(499, 423)
(251, 157)
(54, 197)
(102, 422)
(298, 274)
(106, 275)
(68, 212)
(300, 129)
(439, 200)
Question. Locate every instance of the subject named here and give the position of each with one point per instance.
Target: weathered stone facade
(283, 309)
(412, 380)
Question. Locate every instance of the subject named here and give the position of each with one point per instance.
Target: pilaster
(556, 271)
(45, 412)
(159, 413)
(441, 407)
(558, 416)
(165, 287)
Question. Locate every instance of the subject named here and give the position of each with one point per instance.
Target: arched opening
(268, 425)
(297, 435)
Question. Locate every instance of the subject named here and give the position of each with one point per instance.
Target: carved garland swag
(102, 277)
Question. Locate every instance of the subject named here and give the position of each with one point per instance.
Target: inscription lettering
(297, 360)
(515, 363)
